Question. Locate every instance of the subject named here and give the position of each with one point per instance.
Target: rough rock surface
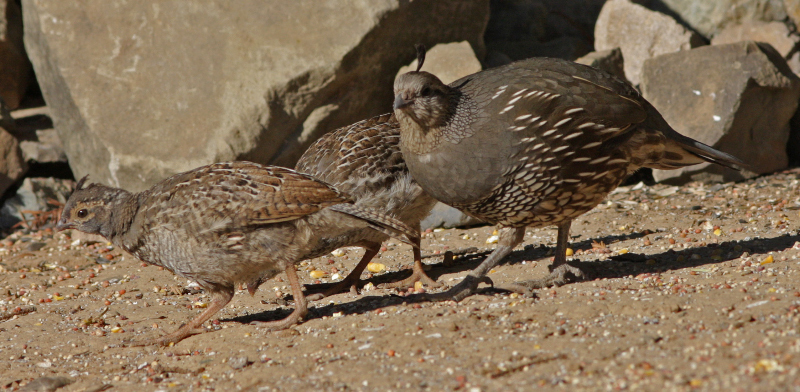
(141, 90)
(12, 164)
(709, 17)
(15, 69)
(776, 34)
(610, 61)
(640, 34)
(738, 98)
(449, 62)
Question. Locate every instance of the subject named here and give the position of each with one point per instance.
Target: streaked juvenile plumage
(364, 161)
(224, 224)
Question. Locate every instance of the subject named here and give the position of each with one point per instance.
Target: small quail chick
(224, 224)
(364, 161)
(534, 143)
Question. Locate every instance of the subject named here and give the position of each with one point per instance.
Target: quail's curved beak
(399, 102)
(63, 224)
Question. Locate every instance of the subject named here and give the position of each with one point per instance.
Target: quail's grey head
(90, 208)
(423, 98)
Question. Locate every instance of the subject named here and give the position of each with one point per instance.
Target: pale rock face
(776, 34)
(449, 62)
(737, 98)
(641, 34)
(142, 90)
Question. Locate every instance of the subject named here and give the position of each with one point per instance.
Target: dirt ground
(695, 287)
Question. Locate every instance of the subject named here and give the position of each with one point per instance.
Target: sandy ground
(695, 287)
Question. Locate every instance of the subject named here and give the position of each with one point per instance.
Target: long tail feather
(681, 151)
(709, 153)
(381, 222)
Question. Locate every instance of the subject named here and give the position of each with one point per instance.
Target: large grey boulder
(709, 17)
(641, 34)
(15, 69)
(738, 98)
(776, 34)
(141, 90)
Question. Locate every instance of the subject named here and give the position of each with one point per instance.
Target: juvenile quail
(364, 161)
(224, 224)
(534, 143)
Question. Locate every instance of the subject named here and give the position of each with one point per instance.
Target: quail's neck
(454, 126)
(121, 213)
(415, 138)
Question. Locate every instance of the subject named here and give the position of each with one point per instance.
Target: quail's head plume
(534, 143)
(223, 225)
(427, 101)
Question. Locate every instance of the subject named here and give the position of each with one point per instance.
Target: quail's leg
(509, 238)
(418, 273)
(193, 327)
(352, 280)
(560, 272)
(300, 305)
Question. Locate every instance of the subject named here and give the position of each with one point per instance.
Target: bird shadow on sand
(468, 258)
(615, 267)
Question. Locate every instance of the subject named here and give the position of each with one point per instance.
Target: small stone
(239, 362)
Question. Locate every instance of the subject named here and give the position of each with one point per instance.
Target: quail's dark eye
(82, 213)
(426, 91)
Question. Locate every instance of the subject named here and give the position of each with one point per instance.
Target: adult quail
(533, 143)
(364, 161)
(222, 225)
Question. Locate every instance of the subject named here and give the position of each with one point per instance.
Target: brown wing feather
(250, 193)
(360, 159)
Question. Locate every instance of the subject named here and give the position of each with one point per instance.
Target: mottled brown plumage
(533, 143)
(224, 224)
(364, 161)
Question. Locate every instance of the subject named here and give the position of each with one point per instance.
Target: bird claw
(416, 276)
